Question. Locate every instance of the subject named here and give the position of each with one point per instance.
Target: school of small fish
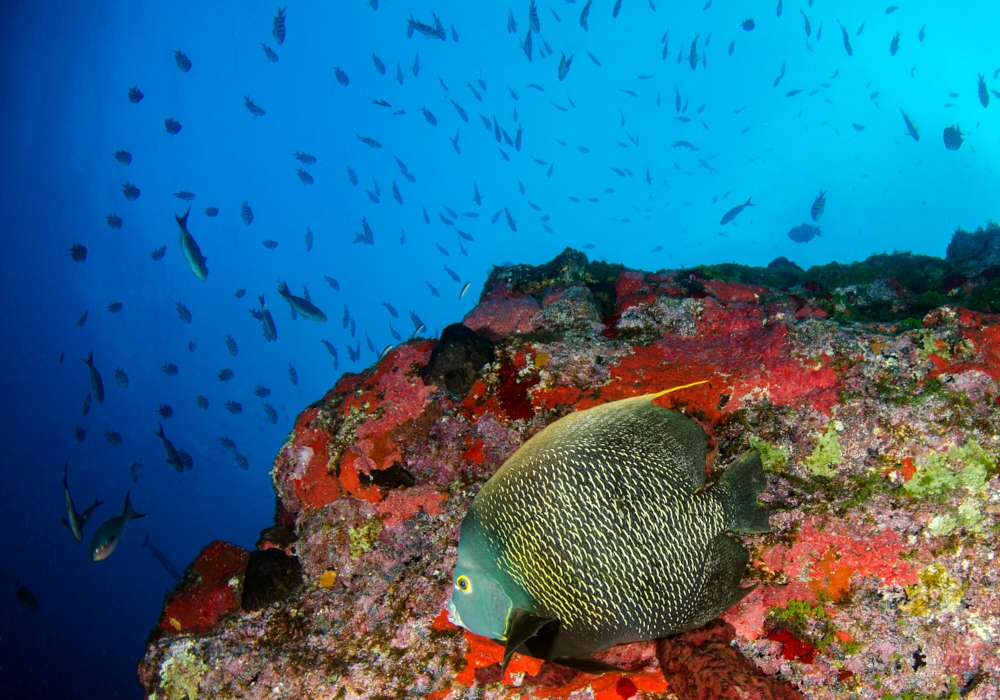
(457, 96)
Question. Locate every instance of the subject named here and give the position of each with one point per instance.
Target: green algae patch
(826, 453)
(180, 676)
(363, 538)
(937, 591)
(969, 466)
(772, 457)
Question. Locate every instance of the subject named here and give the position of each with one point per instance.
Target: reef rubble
(871, 392)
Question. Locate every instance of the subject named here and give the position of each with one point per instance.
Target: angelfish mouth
(453, 616)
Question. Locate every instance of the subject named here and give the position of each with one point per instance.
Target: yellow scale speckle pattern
(597, 518)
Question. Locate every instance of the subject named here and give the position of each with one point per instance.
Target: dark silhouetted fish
(246, 213)
(121, 378)
(79, 433)
(269, 52)
(430, 286)
(178, 459)
(183, 312)
(161, 557)
(183, 62)
(304, 176)
(804, 233)
(910, 127)
(984, 94)
(135, 95)
(278, 27)
(114, 307)
(352, 176)
(304, 158)
(341, 76)
(748, 25)
(114, 438)
(269, 411)
(234, 349)
(123, 157)
(234, 407)
(894, 44)
(301, 305)
(165, 411)
(172, 126)
(953, 138)
(211, 212)
(847, 40)
(135, 469)
(225, 375)
(819, 204)
(293, 376)
(196, 262)
(159, 253)
(254, 109)
(379, 66)
(240, 292)
(185, 195)
(368, 141)
(114, 222)
(83, 319)
(96, 383)
(130, 191)
(584, 14)
(26, 598)
(86, 404)
(170, 369)
(202, 402)
(734, 212)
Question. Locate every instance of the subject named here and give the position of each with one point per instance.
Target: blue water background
(67, 69)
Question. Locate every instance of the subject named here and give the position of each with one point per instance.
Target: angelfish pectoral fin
(521, 626)
(588, 664)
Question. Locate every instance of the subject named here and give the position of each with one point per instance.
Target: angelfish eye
(463, 583)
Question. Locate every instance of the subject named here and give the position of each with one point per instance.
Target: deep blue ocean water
(65, 111)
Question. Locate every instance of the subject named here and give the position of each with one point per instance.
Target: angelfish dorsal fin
(522, 625)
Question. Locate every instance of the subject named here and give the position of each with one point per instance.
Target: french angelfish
(192, 253)
(110, 533)
(600, 531)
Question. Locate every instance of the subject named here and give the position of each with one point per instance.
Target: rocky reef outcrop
(870, 391)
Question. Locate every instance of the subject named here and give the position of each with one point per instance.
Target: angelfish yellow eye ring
(463, 584)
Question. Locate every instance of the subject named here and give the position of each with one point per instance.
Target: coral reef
(870, 391)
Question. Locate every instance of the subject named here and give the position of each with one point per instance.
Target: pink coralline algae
(874, 408)
(496, 318)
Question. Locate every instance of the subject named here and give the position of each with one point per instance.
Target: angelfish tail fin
(740, 485)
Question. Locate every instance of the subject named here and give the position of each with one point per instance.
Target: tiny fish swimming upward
(599, 531)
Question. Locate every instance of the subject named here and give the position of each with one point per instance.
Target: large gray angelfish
(600, 531)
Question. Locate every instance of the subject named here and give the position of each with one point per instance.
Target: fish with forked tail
(110, 533)
(301, 305)
(735, 211)
(192, 253)
(179, 459)
(96, 383)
